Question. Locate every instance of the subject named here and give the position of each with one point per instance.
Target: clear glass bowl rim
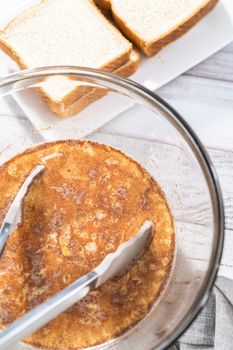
(21, 80)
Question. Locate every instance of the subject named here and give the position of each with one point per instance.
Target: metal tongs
(14, 215)
(113, 265)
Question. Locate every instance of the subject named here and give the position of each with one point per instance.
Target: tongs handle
(4, 233)
(45, 312)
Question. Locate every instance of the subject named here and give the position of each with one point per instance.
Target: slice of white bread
(77, 106)
(152, 24)
(64, 32)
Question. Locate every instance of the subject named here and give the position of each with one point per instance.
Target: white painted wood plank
(198, 91)
(207, 105)
(226, 267)
(218, 66)
(223, 162)
(228, 48)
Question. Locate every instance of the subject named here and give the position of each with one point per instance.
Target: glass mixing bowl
(139, 123)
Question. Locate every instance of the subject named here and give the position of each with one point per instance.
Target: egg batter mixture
(89, 200)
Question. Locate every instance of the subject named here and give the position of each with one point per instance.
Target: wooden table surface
(204, 97)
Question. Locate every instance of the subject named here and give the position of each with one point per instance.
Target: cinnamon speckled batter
(90, 199)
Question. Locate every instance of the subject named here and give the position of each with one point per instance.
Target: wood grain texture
(206, 104)
(223, 162)
(226, 267)
(219, 66)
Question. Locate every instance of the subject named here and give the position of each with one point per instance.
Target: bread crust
(150, 48)
(81, 103)
(131, 66)
(105, 6)
(75, 93)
